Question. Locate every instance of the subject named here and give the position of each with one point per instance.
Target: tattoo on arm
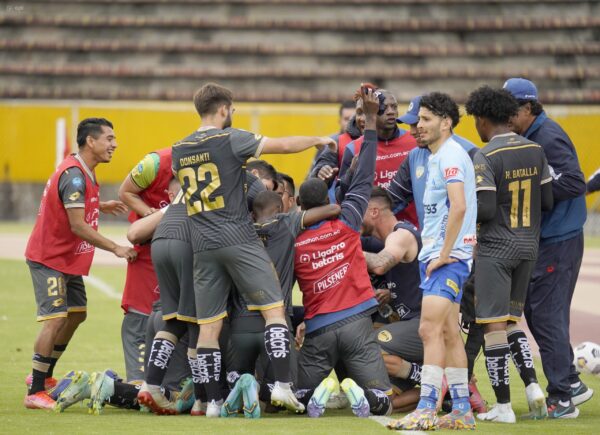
(380, 263)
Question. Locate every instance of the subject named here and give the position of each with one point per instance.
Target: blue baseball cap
(521, 89)
(412, 113)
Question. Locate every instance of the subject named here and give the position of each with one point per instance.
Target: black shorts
(352, 344)
(56, 293)
(501, 288)
(247, 267)
(173, 263)
(402, 339)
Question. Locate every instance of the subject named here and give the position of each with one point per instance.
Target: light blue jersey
(449, 165)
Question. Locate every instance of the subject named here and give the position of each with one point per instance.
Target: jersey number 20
(515, 189)
(191, 178)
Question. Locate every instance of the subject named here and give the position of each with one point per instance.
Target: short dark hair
(496, 105)
(536, 106)
(266, 199)
(313, 193)
(442, 105)
(210, 97)
(265, 170)
(289, 181)
(379, 193)
(91, 127)
(347, 104)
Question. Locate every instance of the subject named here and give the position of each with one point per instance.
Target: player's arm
(400, 247)
(140, 177)
(143, 229)
(296, 144)
(81, 229)
(568, 180)
(400, 189)
(113, 207)
(326, 166)
(318, 214)
(456, 215)
(485, 186)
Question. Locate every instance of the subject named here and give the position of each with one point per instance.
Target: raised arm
(400, 189)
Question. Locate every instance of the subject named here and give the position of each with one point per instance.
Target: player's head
(526, 94)
(347, 110)
(266, 204)
(173, 188)
(411, 118)
(438, 114)
(215, 102)
(378, 210)
(388, 112)
(287, 190)
(265, 171)
(360, 112)
(97, 136)
(492, 108)
(313, 193)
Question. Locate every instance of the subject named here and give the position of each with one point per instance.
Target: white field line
(105, 288)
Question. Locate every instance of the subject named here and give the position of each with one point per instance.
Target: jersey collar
(85, 168)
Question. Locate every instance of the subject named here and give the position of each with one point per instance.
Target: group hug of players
(380, 239)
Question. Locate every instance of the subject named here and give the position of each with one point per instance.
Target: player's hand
(328, 142)
(437, 263)
(327, 172)
(300, 330)
(383, 296)
(126, 252)
(113, 207)
(370, 101)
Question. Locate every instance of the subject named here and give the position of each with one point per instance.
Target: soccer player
(227, 251)
(264, 171)
(61, 248)
(513, 187)
(287, 189)
(448, 237)
(548, 302)
(337, 294)
(278, 232)
(144, 190)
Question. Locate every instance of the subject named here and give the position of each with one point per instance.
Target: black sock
(303, 395)
(125, 396)
(496, 360)
(209, 369)
(56, 354)
(415, 372)
(40, 369)
(158, 362)
(475, 342)
(199, 390)
(277, 344)
(379, 402)
(521, 355)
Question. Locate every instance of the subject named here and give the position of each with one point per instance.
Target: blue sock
(429, 396)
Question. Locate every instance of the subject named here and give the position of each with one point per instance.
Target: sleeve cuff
(260, 147)
(74, 205)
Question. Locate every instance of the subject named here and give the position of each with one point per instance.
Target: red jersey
(390, 155)
(141, 284)
(331, 269)
(52, 243)
(343, 141)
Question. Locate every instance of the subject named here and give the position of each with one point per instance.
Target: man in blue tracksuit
(548, 304)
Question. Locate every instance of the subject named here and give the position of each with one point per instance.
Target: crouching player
(337, 293)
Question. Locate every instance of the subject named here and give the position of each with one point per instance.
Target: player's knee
(76, 319)
(428, 330)
(274, 315)
(52, 326)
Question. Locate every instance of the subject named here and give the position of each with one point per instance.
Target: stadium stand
(275, 50)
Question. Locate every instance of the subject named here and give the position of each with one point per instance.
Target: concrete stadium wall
(27, 147)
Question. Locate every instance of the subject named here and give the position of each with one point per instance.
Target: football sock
(521, 353)
(475, 342)
(209, 370)
(497, 356)
(56, 354)
(277, 344)
(431, 383)
(125, 396)
(41, 364)
(379, 402)
(199, 391)
(160, 356)
(458, 385)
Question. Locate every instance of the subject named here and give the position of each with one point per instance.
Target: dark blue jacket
(568, 215)
(593, 184)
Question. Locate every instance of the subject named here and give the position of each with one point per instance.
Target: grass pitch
(97, 346)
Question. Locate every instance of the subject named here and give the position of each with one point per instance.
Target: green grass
(97, 345)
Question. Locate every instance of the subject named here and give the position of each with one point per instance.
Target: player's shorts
(446, 281)
(174, 265)
(501, 288)
(402, 339)
(353, 344)
(247, 267)
(133, 339)
(56, 293)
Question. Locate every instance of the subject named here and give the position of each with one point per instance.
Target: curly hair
(442, 105)
(496, 105)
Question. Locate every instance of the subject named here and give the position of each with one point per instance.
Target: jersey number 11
(515, 189)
